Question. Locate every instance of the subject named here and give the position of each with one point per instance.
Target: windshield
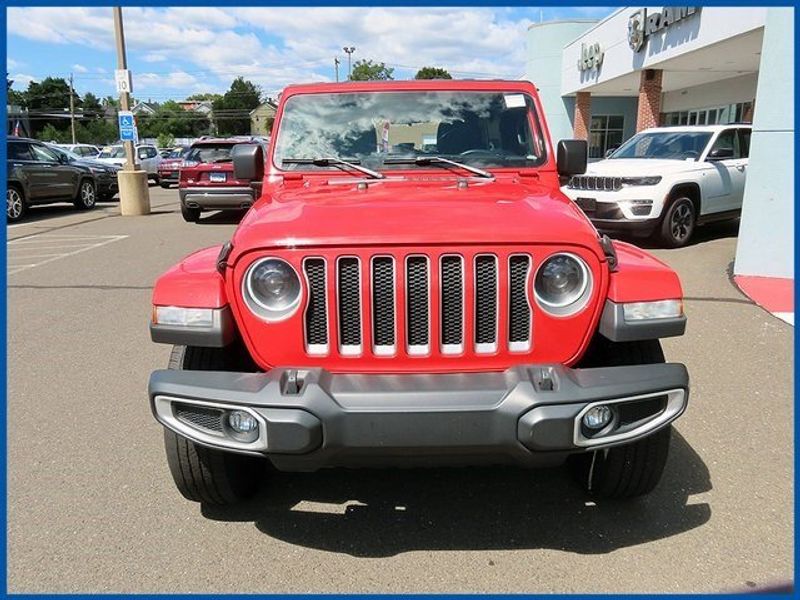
(112, 152)
(71, 156)
(671, 145)
(376, 128)
(210, 153)
(178, 153)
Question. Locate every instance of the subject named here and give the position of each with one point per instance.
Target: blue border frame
(356, 3)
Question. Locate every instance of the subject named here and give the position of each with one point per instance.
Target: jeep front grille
(418, 305)
(595, 183)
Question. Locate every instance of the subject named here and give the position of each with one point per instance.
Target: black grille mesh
(383, 301)
(485, 299)
(519, 314)
(199, 416)
(316, 318)
(349, 303)
(417, 300)
(452, 317)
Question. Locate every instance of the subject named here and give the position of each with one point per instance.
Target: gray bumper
(217, 198)
(526, 415)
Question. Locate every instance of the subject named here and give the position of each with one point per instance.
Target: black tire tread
(632, 469)
(190, 215)
(204, 474)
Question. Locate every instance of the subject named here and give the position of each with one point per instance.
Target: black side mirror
(720, 154)
(248, 162)
(572, 157)
(611, 151)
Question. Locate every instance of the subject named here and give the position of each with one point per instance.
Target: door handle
(741, 167)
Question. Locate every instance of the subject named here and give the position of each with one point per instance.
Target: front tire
(16, 207)
(87, 195)
(678, 223)
(204, 474)
(633, 469)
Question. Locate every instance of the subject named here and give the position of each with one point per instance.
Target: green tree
(205, 96)
(52, 93)
(50, 133)
(232, 110)
(165, 140)
(366, 70)
(15, 97)
(432, 73)
(91, 104)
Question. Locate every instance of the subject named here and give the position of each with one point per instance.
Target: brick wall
(583, 115)
(649, 99)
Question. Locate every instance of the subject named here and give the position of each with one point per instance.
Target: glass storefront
(714, 115)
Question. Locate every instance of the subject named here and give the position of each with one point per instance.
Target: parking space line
(42, 243)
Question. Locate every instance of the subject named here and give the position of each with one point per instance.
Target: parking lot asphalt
(91, 506)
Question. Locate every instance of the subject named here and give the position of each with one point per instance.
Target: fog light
(597, 417)
(242, 422)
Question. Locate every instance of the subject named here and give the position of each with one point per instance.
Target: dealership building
(641, 67)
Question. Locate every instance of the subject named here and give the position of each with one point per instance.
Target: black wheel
(16, 206)
(632, 469)
(164, 185)
(203, 474)
(87, 195)
(156, 179)
(678, 223)
(191, 215)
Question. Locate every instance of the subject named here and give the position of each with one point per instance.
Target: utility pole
(134, 194)
(336, 66)
(349, 50)
(72, 108)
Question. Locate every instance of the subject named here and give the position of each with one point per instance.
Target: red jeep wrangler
(412, 288)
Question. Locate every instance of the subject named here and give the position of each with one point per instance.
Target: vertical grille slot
(349, 298)
(417, 305)
(383, 327)
(317, 309)
(486, 300)
(519, 309)
(452, 306)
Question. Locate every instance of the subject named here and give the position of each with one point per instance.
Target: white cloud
(13, 64)
(276, 46)
(78, 68)
(21, 80)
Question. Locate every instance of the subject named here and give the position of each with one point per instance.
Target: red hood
(430, 211)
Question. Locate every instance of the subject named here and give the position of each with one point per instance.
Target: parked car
(37, 175)
(170, 166)
(666, 181)
(82, 150)
(207, 181)
(412, 288)
(146, 154)
(105, 175)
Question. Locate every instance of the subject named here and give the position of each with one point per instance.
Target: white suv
(146, 155)
(666, 180)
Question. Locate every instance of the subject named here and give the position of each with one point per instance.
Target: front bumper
(221, 198)
(311, 418)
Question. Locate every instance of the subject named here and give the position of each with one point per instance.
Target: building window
(605, 133)
(714, 115)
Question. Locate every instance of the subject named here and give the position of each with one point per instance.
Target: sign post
(134, 194)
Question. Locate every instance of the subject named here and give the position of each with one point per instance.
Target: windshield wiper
(424, 161)
(327, 162)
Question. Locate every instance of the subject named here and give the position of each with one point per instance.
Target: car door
(740, 165)
(148, 157)
(723, 180)
(20, 159)
(56, 179)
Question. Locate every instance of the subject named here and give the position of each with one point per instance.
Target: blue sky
(174, 52)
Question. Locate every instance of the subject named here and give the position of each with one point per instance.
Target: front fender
(641, 277)
(192, 283)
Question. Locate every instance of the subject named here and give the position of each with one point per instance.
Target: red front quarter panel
(193, 283)
(641, 277)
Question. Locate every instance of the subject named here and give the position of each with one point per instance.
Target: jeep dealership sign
(591, 57)
(642, 24)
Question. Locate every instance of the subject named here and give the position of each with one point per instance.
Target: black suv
(37, 175)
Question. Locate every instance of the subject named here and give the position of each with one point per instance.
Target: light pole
(349, 50)
(134, 195)
(336, 62)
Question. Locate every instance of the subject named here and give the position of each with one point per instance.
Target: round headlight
(562, 284)
(272, 289)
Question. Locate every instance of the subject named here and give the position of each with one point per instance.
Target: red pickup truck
(411, 287)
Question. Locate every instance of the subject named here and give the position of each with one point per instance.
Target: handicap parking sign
(127, 126)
